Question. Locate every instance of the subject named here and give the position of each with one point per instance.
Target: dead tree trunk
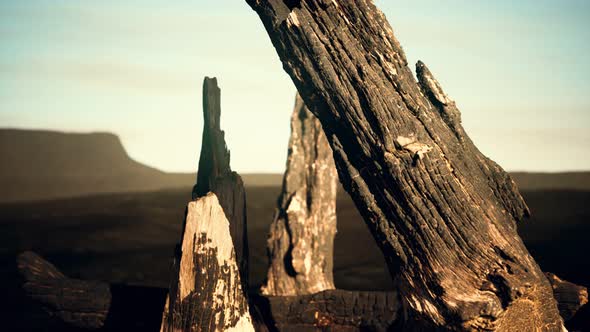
(208, 295)
(301, 240)
(215, 175)
(209, 281)
(443, 214)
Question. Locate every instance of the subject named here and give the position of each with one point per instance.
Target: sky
(518, 70)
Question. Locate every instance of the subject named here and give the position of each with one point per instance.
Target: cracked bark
(443, 214)
(301, 239)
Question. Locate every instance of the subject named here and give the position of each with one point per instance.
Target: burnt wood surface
(206, 292)
(208, 288)
(335, 310)
(301, 240)
(215, 175)
(443, 214)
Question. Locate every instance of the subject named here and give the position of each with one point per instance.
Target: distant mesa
(579, 181)
(43, 165)
(40, 165)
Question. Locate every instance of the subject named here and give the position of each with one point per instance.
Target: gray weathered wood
(443, 214)
(301, 239)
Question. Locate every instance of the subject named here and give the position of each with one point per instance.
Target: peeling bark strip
(209, 295)
(301, 240)
(443, 214)
(69, 302)
(215, 174)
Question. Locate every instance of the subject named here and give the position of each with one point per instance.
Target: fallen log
(66, 302)
(442, 213)
(337, 310)
(301, 239)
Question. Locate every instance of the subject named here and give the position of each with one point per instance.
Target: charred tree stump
(215, 175)
(209, 283)
(208, 295)
(443, 214)
(301, 240)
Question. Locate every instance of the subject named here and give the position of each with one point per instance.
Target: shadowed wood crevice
(443, 214)
(301, 239)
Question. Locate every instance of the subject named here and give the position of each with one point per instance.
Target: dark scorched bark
(443, 214)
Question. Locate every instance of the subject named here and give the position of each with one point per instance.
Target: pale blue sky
(519, 71)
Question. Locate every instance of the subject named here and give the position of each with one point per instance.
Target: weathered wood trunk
(443, 214)
(215, 175)
(209, 276)
(208, 295)
(301, 239)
